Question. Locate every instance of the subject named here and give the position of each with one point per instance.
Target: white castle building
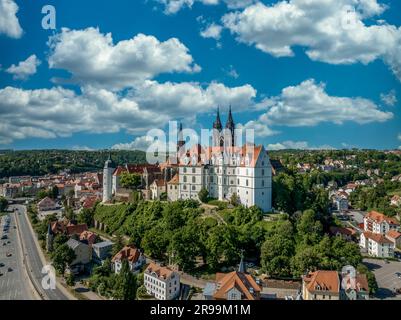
(224, 169)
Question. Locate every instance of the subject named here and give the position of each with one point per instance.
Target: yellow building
(321, 285)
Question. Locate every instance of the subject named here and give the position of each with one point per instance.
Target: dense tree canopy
(130, 180)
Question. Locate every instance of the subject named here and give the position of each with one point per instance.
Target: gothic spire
(181, 141)
(230, 121)
(217, 123)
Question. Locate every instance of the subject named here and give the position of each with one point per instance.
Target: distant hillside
(41, 162)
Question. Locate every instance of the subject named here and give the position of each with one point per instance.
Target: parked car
(4, 237)
(9, 269)
(1, 274)
(1, 264)
(8, 254)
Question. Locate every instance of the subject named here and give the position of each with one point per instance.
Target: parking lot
(12, 283)
(386, 277)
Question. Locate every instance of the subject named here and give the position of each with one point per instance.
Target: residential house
(396, 201)
(396, 178)
(321, 285)
(377, 245)
(341, 203)
(133, 255)
(395, 237)
(161, 282)
(157, 187)
(346, 233)
(236, 285)
(88, 237)
(83, 255)
(101, 251)
(47, 204)
(273, 289)
(172, 188)
(350, 187)
(377, 222)
(9, 190)
(75, 229)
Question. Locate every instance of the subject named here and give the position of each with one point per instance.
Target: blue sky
(302, 75)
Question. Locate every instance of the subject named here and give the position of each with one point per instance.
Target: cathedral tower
(229, 133)
(217, 128)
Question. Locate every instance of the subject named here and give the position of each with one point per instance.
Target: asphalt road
(32, 255)
(14, 285)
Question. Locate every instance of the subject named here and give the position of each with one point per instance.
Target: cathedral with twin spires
(224, 169)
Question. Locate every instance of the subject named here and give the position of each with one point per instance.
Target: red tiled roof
(161, 272)
(76, 229)
(243, 282)
(376, 237)
(380, 217)
(89, 236)
(58, 227)
(393, 234)
(323, 281)
(343, 230)
(129, 253)
(205, 154)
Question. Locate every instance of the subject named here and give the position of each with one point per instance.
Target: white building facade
(161, 282)
(376, 238)
(226, 169)
(248, 175)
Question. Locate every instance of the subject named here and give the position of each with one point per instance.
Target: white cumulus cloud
(212, 31)
(58, 112)
(24, 69)
(332, 31)
(9, 24)
(308, 104)
(186, 99)
(298, 145)
(92, 57)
